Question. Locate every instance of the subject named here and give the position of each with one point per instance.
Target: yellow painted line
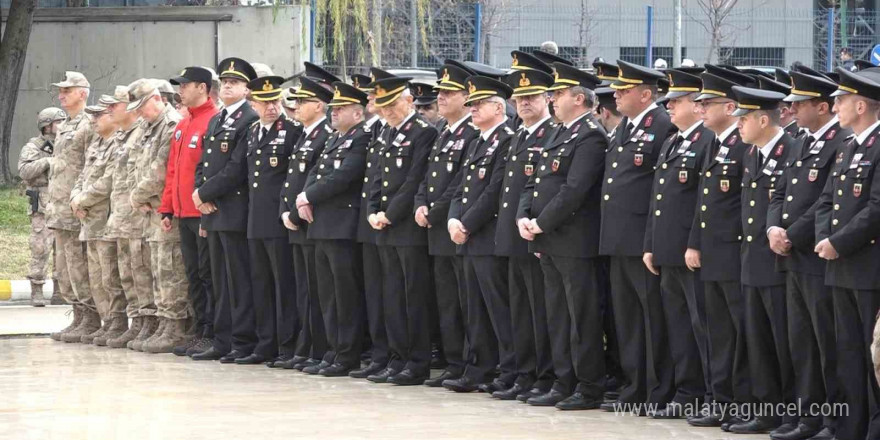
(5, 290)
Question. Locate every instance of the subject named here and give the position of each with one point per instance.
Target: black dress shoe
(279, 361)
(289, 363)
(758, 425)
(310, 362)
(727, 423)
(491, 387)
(802, 431)
(578, 401)
(463, 384)
(230, 357)
(315, 369)
(705, 421)
(672, 411)
(510, 393)
(202, 346)
(824, 434)
(335, 370)
(611, 396)
(251, 359)
(438, 381)
(612, 406)
(382, 376)
(408, 377)
(363, 373)
(524, 397)
(550, 398)
(211, 354)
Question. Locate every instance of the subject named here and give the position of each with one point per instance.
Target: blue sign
(875, 55)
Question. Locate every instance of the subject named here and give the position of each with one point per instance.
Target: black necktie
(629, 129)
(223, 116)
(263, 133)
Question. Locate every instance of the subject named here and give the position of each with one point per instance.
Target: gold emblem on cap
(515, 61)
(232, 66)
(337, 94)
(555, 76)
(671, 82)
(445, 75)
(183, 72)
(355, 83)
(523, 81)
(472, 88)
(266, 86)
(380, 92)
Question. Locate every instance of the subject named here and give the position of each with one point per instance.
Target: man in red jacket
(186, 151)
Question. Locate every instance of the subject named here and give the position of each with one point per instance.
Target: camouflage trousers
(136, 276)
(104, 279)
(40, 242)
(72, 268)
(171, 296)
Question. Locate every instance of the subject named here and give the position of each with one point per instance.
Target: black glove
(34, 197)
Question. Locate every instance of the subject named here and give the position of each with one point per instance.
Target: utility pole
(414, 33)
(377, 33)
(676, 34)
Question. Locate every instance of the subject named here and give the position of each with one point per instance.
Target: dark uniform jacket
(221, 176)
(333, 187)
(793, 206)
(402, 164)
(365, 232)
(475, 203)
(848, 215)
(267, 161)
(564, 193)
(521, 163)
(717, 227)
(629, 173)
(760, 177)
(674, 196)
(305, 154)
(443, 177)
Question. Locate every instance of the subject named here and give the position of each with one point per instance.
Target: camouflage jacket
(33, 167)
(68, 159)
(124, 219)
(150, 172)
(91, 192)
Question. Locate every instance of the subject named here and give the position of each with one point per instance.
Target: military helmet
(49, 115)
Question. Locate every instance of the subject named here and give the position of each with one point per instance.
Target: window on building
(636, 55)
(753, 56)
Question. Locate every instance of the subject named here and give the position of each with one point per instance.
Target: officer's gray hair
(589, 95)
(651, 88)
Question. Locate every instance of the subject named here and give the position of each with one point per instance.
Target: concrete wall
(118, 45)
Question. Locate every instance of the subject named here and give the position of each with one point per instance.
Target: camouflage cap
(120, 94)
(73, 79)
(96, 109)
(49, 115)
(164, 86)
(139, 91)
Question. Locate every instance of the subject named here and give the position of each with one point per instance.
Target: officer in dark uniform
(432, 209)
(471, 224)
(789, 123)
(491, 72)
(366, 238)
(270, 142)
(425, 100)
(329, 202)
(319, 75)
(559, 215)
(714, 246)
(791, 231)
(670, 219)
(629, 170)
(403, 244)
(551, 59)
(312, 352)
(221, 184)
(846, 232)
(533, 360)
(763, 287)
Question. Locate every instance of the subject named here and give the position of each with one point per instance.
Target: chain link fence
(856, 30)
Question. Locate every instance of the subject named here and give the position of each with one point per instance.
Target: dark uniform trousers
(371, 267)
(770, 368)
(403, 246)
(197, 261)
(809, 302)
(221, 177)
(310, 339)
(490, 335)
(612, 347)
(531, 341)
(274, 300)
(335, 261)
(670, 219)
(635, 293)
(447, 305)
(847, 216)
(716, 233)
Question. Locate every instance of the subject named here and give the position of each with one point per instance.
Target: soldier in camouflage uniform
(125, 224)
(90, 202)
(164, 239)
(68, 159)
(33, 168)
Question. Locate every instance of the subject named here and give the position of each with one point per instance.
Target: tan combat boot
(91, 322)
(149, 324)
(174, 335)
(118, 326)
(77, 318)
(155, 333)
(122, 340)
(57, 300)
(89, 338)
(37, 299)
